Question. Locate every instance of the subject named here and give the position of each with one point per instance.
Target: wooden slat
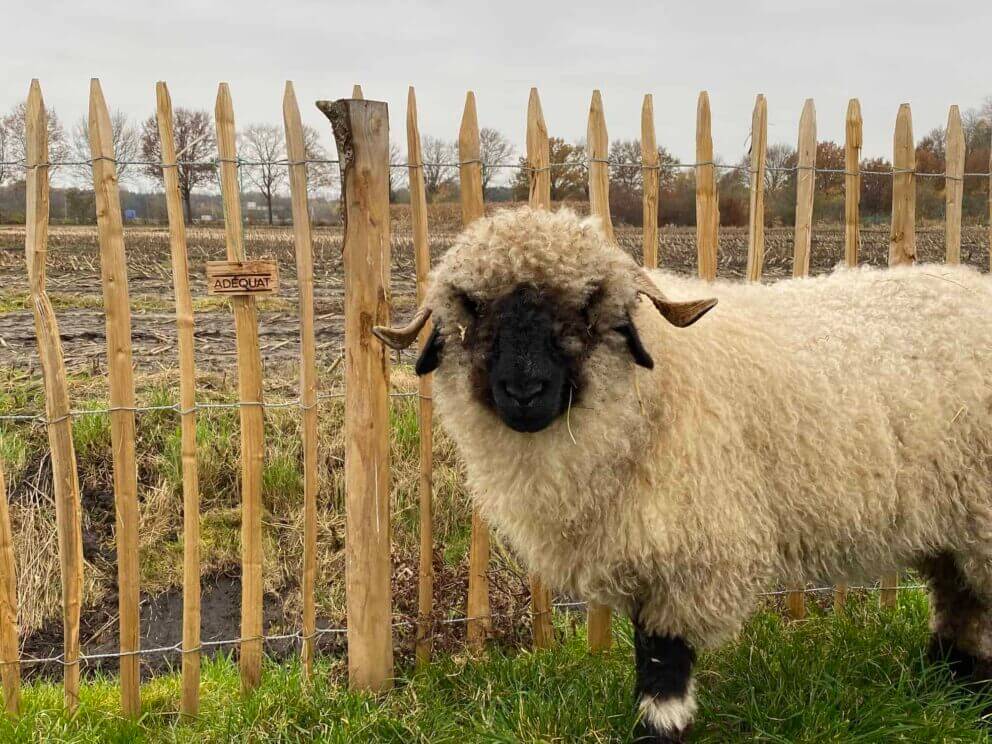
(650, 179)
(190, 702)
(470, 178)
(795, 600)
(902, 248)
(297, 154)
(852, 185)
(598, 151)
(598, 617)
(902, 238)
(250, 395)
(11, 671)
(805, 183)
(361, 129)
(954, 184)
(538, 160)
(707, 210)
(65, 479)
(756, 214)
(425, 411)
(356, 92)
(117, 306)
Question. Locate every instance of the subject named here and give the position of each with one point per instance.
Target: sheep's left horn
(400, 338)
(679, 314)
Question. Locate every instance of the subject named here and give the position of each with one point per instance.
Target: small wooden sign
(242, 277)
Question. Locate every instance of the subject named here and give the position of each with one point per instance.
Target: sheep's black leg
(666, 699)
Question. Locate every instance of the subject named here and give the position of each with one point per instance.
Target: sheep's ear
(634, 343)
(430, 355)
(679, 314)
(400, 338)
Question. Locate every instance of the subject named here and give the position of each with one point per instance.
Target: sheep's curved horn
(400, 338)
(679, 314)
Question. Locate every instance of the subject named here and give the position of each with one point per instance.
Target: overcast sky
(885, 52)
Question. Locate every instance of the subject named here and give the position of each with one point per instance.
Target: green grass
(857, 676)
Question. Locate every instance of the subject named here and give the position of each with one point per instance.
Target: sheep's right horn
(400, 338)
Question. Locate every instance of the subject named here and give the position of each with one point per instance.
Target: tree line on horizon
(262, 146)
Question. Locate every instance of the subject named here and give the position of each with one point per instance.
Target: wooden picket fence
(361, 129)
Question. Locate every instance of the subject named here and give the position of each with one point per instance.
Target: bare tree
(435, 153)
(263, 145)
(397, 175)
(777, 157)
(319, 174)
(127, 145)
(195, 146)
(13, 146)
(494, 149)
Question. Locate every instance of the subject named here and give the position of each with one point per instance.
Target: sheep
(825, 429)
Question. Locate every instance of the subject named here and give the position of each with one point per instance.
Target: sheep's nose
(524, 391)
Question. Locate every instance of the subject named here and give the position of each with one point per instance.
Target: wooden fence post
(425, 388)
(650, 177)
(902, 248)
(539, 162)
(852, 188)
(598, 153)
(707, 210)
(361, 130)
(473, 207)
(805, 185)
(954, 185)
(756, 214)
(65, 479)
(297, 155)
(598, 617)
(116, 302)
(795, 600)
(250, 396)
(190, 703)
(356, 92)
(902, 240)
(11, 672)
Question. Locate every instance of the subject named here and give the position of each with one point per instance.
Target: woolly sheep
(812, 430)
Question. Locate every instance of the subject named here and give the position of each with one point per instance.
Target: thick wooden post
(113, 267)
(902, 239)
(65, 479)
(650, 176)
(538, 161)
(361, 129)
(598, 152)
(297, 155)
(954, 185)
(190, 702)
(707, 210)
(805, 184)
(250, 396)
(598, 617)
(425, 412)
(470, 177)
(756, 214)
(852, 188)
(11, 671)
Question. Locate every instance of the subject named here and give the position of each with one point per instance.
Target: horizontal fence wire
(37, 418)
(299, 636)
(215, 162)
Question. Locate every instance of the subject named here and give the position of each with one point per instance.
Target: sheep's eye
(473, 306)
(591, 306)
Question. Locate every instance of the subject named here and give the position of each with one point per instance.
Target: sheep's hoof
(645, 733)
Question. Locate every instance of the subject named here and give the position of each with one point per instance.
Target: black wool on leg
(664, 688)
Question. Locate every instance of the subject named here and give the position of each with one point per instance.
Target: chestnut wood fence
(361, 129)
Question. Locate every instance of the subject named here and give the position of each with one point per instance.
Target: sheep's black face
(528, 373)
